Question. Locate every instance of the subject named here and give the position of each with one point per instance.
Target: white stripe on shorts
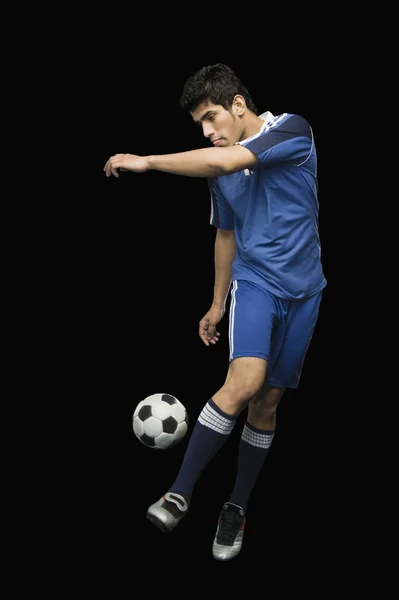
(231, 318)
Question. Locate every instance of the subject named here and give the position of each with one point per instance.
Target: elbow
(218, 168)
(224, 167)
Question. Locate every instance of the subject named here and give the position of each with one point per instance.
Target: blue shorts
(269, 327)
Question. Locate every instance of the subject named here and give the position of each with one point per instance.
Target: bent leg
(263, 407)
(256, 438)
(217, 419)
(244, 380)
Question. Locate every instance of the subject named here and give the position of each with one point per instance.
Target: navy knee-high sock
(254, 446)
(210, 432)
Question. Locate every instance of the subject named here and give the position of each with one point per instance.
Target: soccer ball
(160, 421)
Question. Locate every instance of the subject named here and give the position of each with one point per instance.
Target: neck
(252, 126)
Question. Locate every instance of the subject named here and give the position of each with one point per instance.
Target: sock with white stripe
(254, 446)
(210, 432)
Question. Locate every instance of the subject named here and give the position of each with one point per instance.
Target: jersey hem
(278, 294)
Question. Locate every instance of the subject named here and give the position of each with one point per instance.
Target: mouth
(216, 142)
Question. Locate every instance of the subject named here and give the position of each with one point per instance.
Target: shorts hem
(281, 385)
(250, 355)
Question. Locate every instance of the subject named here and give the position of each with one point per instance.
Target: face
(221, 127)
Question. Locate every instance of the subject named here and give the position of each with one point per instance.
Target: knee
(244, 380)
(262, 411)
(241, 390)
(264, 404)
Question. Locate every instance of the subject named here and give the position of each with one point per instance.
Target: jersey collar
(266, 117)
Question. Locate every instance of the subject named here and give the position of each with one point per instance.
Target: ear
(239, 105)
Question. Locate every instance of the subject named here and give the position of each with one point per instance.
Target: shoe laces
(229, 525)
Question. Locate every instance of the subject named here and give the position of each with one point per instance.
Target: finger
(203, 327)
(108, 168)
(112, 167)
(203, 338)
(210, 328)
(108, 164)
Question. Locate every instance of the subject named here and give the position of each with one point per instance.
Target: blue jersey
(274, 210)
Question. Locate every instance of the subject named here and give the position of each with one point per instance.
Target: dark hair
(217, 84)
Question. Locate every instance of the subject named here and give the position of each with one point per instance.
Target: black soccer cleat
(168, 511)
(229, 533)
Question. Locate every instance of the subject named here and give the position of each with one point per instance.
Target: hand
(126, 162)
(207, 325)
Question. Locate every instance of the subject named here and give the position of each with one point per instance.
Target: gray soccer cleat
(168, 511)
(229, 533)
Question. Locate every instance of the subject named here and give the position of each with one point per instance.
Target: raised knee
(242, 390)
(244, 380)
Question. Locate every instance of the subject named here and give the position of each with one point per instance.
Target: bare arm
(204, 162)
(225, 251)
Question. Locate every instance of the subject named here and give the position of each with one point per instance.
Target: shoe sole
(158, 523)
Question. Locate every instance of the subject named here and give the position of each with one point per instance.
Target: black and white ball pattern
(160, 421)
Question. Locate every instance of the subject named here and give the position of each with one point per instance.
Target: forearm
(225, 251)
(204, 162)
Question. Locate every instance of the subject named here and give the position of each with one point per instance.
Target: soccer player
(262, 174)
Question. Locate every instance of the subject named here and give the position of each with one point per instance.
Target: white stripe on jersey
(310, 151)
(270, 121)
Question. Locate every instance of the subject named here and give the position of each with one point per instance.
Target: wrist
(150, 162)
(219, 304)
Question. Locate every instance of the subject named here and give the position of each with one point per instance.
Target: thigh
(253, 311)
(285, 367)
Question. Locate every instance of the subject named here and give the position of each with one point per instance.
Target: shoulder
(288, 122)
(288, 126)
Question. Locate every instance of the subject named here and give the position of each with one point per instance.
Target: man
(263, 185)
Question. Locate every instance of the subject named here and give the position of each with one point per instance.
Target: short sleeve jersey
(274, 209)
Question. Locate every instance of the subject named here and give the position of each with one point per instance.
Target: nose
(207, 130)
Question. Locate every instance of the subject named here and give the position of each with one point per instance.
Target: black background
(150, 262)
